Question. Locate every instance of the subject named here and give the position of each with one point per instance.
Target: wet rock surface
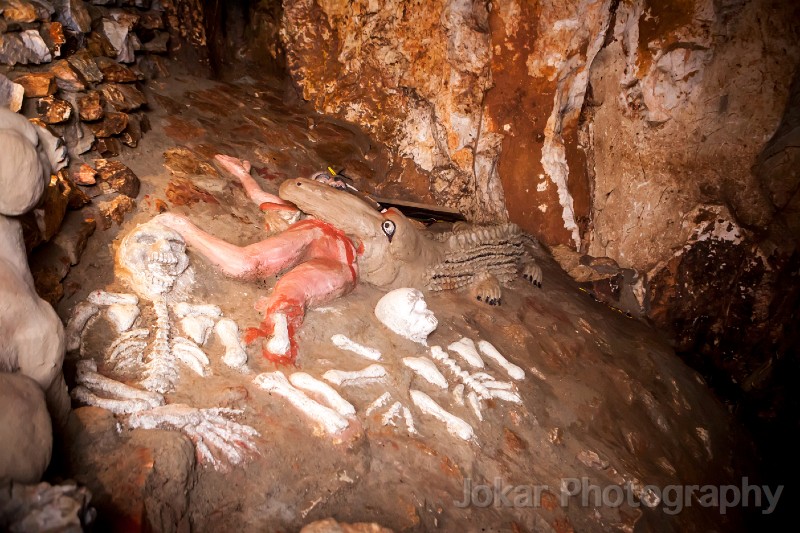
(601, 396)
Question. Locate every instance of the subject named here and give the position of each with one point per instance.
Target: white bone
(108, 298)
(304, 381)
(209, 429)
(393, 412)
(412, 429)
(340, 341)
(491, 352)
(504, 395)
(466, 349)
(425, 369)
(458, 394)
(81, 314)
(279, 343)
(184, 309)
(455, 425)
(475, 404)
(370, 374)
(131, 399)
(330, 421)
(379, 402)
(122, 316)
(197, 327)
(191, 355)
(228, 333)
(123, 341)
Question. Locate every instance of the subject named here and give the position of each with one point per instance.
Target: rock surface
(26, 435)
(599, 125)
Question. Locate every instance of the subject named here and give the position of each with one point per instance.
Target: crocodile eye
(388, 228)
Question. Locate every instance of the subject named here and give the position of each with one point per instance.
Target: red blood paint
(329, 244)
(272, 206)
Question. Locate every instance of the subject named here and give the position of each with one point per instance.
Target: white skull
(151, 258)
(405, 312)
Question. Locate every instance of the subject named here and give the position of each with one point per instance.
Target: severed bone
(280, 342)
(426, 369)
(213, 433)
(80, 315)
(466, 349)
(228, 333)
(311, 385)
(340, 341)
(455, 425)
(109, 298)
(491, 352)
(328, 419)
(122, 316)
(368, 375)
(197, 327)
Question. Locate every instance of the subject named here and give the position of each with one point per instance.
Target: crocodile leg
(486, 288)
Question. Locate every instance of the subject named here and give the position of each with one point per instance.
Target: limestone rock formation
(614, 128)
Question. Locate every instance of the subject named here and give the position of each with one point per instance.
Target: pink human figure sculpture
(320, 259)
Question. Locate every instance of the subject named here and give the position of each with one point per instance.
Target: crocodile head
(392, 252)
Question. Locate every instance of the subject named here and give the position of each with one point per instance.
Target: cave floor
(603, 397)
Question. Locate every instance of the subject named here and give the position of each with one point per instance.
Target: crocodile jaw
(384, 263)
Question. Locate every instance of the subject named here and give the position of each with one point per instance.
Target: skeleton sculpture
(349, 240)
(152, 260)
(466, 385)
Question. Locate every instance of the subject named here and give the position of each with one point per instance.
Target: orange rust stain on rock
(578, 181)
(523, 104)
(183, 192)
(513, 441)
(449, 468)
(549, 501)
(664, 18)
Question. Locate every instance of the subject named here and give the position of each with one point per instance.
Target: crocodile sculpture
(348, 240)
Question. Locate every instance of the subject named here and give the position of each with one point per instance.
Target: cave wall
(628, 129)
